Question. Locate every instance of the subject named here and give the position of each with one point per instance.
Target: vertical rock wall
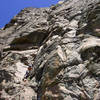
(61, 43)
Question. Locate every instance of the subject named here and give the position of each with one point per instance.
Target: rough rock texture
(63, 45)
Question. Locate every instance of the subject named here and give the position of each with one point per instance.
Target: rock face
(62, 43)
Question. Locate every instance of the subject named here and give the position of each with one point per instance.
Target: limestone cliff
(62, 43)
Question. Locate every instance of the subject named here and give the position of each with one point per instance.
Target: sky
(9, 8)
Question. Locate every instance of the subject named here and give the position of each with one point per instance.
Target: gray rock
(61, 43)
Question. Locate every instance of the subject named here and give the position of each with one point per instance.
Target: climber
(27, 73)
